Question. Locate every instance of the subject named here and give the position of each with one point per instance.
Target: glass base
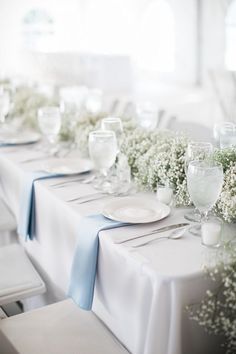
(193, 215)
(217, 245)
(195, 230)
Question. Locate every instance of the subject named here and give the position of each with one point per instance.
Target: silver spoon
(174, 235)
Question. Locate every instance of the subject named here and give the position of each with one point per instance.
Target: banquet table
(140, 293)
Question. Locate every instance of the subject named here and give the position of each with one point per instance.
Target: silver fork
(93, 199)
(71, 181)
(85, 196)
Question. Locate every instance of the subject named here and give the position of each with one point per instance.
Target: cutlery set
(179, 230)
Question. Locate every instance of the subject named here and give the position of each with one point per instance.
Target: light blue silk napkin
(84, 266)
(26, 226)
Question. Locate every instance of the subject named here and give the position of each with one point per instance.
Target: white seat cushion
(7, 220)
(61, 328)
(18, 279)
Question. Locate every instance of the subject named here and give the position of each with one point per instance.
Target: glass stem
(204, 216)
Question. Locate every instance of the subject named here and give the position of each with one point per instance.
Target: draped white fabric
(141, 294)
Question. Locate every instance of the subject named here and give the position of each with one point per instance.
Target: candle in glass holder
(164, 194)
(211, 232)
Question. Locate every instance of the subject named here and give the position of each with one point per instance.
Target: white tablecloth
(140, 294)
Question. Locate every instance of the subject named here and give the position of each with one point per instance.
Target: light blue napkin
(84, 266)
(26, 227)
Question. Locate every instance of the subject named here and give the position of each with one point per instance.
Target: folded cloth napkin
(26, 227)
(84, 266)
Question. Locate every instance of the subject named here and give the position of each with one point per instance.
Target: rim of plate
(151, 203)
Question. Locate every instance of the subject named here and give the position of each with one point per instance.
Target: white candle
(164, 195)
(211, 233)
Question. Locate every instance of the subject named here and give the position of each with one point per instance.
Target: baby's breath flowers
(226, 205)
(87, 123)
(158, 158)
(25, 104)
(217, 311)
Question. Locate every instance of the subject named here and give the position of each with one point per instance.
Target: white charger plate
(135, 210)
(19, 138)
(67, 166)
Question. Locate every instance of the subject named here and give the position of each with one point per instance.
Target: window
(38, 29)
(230, 33)
(107, 27)
(155, 48)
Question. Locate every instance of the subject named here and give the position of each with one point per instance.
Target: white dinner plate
(135, 210)
(67, 166)
(19, 138)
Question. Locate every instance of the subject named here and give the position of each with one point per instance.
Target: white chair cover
(18, 279)
(61, 328)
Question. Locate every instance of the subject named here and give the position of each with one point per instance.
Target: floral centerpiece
(155, 157)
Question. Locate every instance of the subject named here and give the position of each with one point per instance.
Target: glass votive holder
(164, 194)
(211, 231)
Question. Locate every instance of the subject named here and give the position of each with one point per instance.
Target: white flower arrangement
(217, 311)
(158, 158)
(226, 205)
(26, 102)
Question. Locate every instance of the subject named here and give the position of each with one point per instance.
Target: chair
(195, 131)
(58, 329)
(7, 225)
(7, 220)
(19, 279)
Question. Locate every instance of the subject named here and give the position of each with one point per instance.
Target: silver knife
(35, 159)
(156, 231)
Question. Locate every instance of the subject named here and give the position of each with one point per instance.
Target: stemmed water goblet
(227, 135)
(196, 151)
(114, 124)
(147, 115)
(93, 103)
(103, 151)
(204, 183)
(49, 121)
(119, 177)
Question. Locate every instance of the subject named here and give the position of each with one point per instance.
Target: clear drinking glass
(196, 151)
(72, 98)
(93, 102)
(227, 135)
(204, 182)
(147, 115)
(4, 105)
(114, 124)
(102, 150)
(49, 120)
(211, 232)
(120, 174)
(164, 194)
